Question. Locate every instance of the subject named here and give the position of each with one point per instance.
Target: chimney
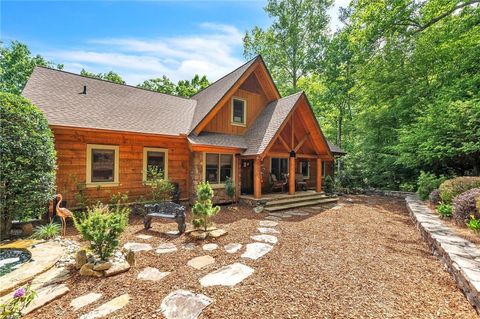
(84, 90)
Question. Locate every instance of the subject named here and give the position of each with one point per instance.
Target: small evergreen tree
(203, 208)
(329, 185)
(230, 188)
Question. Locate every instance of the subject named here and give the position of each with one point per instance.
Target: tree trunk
(5, 225)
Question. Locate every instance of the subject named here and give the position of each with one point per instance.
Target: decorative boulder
(80, 258)
(198, 234)
(101, 266)
(258, 209)
(87, 270)
(130, 257)
(217, 233)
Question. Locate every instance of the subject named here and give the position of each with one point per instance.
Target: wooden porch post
(318, 186)
(257, 180)
(291, 176)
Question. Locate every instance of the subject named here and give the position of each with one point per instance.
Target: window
(102, 165)
(279, 167)
(154, 160)
(305, 168)
(218, 167)
(323, 169)
(239, 111)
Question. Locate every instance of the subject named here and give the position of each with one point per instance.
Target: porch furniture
(168, 210)
(300, 182)
(276, 184)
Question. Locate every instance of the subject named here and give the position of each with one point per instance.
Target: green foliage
(27, 161)
(329, 185)
(230, 188)
(109, 76)
(184, 88)
(427, 182)
(456, 186)
(81, 199)
(102, 227)
(12, 308)
(203, 209)
(445, 210)
(161, 188)
(16, 65)
(47, 231)
(474, 224)
(118, 199)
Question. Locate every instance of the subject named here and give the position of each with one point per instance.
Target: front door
(247, 177)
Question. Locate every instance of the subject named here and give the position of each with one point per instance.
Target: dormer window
(239, 111)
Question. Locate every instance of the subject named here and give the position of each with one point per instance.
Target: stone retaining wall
(460, 256)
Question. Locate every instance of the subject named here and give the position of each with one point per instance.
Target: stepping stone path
(265, 230)
(142, 236)
(46, 295)
(151, 274)
(183, 304)
(190, 246)
(108, 308)
(268, 223)
(232, 248)
(201, 262)
(172, 233)
(227, 276)
(256, 250)
(84, 300)
(265, 238)
(298, 213)
(209, 247)
(136, 247)
(166, 248)
(281, 215)
(275, 218)
(52, 276)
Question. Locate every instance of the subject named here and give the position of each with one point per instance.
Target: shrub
(445, 210)
(161, 188)
(27, 161)
(426, 183)
(474, 224)
(464, 205)
(329, 185)
(434, 197)
(47, 231)
(102, 227)
(12, 308)
(230, 188)
(203, 209)
(407, 187)
(118, 199)
(453, 187)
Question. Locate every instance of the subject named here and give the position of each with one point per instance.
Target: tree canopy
(109, 76)
(186, 88)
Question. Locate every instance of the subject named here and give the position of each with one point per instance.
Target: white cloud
(212, 50)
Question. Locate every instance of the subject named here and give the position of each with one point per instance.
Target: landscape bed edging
(460, 256)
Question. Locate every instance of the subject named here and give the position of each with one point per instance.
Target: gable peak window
(239, 111)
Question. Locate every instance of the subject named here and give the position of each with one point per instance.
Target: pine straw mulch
(364, 260)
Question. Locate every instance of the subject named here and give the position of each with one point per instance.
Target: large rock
(200, 262)
(108, 308)
(130, 258)
(265, 238)
(84, 300)
(87, 270)
(166, 248)
(183, 304)
(136, 247)
(227, 276)
(151, 274)
(217, 233)
(232, 248)
(256, 250)
(199, 234)
(52, 276)
(268, 223)
(80, 258)
(46, 295)
(117, 269)
(101, 266)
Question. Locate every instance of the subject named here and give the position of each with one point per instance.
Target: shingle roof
(106, 105)
(218, 139)
(211, 95)
(335, 149)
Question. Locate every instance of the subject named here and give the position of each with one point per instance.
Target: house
(108, 134)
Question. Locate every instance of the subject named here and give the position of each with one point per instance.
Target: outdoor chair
(276, 184)
(300, 182)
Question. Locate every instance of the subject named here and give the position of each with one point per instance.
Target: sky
(138, 39)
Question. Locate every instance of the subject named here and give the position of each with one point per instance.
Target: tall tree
(16, 66)
(294, 43)
(109, 76)
(186, 88)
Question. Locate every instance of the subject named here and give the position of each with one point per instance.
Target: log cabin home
(107, 135)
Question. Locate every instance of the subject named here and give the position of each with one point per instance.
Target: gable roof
(335, 149)
(106, 105)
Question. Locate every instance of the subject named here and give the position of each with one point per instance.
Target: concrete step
(295, 199)
(315, 202)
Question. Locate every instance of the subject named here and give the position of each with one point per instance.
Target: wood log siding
(71, 146)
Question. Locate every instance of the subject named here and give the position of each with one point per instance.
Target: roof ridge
(111, 82)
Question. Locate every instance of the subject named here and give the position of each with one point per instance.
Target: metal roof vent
(84, 90)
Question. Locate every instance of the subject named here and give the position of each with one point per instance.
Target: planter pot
(27, 229)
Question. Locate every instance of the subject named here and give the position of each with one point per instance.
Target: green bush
(426, 183)
(329, 185)
(474, 224)
(445, 210)
(203, 209)
(454, 187)
(161, 188)
(47, 231)
(102, 226)
(27, 161)
(230, 188)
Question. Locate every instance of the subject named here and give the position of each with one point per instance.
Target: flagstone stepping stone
(336, 207)
(281, 215)
(268, 223)
(266, 230)
(117, 268)
(209, 247)
(151, 274)
(183, 304)
(172, 233)
(142, 236)
(274, 218)
(256, 250)
(217, 233)
(201, 262)
(84, 300)
(108, 308)
(190, 246)
(229, 275)
(265, 238)
(232, 248)
(298, 213)
(52, 276)
(166, 248)
(46, 295)
(136, 247)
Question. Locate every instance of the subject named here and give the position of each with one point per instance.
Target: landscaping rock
(232, 248)
(117, 269)
(201, 262)
(265, 230)
(190, 246)
(172, 233)
(80, 258)
(46, 295)
(258, 209)
(227, 276)
(209, 247)
(183, 304)
(265, 238)
(199, 234)
(130, 258)
(297, 213)
(102, 266)
(52, 276)
(256, 250)
(108, 308)
(145, 237)
(136, 247)
(166, 248)
(281, 215)
(274, 218)
(87, 270)
(84, 300)
(268, 223)
(151, 274)
(217, 233)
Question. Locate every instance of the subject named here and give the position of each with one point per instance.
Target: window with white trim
(155, 160)
(102, 165)
(218, 167)
(239, 111)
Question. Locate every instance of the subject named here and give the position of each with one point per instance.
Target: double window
(279, 167)
(102, 165)
(239, 111)
(218, 167)
(154, 162)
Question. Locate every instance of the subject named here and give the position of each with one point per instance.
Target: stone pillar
(257, 179)
(291, 175)
(318, 186)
